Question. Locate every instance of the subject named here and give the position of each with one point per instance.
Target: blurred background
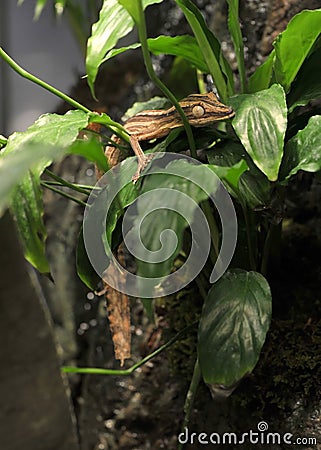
(42, 47)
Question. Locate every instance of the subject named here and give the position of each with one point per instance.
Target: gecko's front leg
(143, 160)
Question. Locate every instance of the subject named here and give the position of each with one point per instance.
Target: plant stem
(152, 75)
(190, 397)
(236, 35)
(130, 370)
(200, 82)
(66, 183)
(63, 194)
(24, 73)
(87, 187)
(114, 126)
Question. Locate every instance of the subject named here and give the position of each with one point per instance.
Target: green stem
(114, 126)
(152, 75)
(82, 186)
(41, 83)
(130, 370)
(66, 183)
(190, 397)
(63, 194)
(237, 39)
(200, 82)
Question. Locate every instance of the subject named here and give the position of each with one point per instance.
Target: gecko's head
(204, 109)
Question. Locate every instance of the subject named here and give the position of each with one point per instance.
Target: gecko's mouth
(227, 113)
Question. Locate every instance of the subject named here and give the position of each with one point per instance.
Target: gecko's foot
(142, 164)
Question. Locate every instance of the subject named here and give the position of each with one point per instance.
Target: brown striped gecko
(200, 110)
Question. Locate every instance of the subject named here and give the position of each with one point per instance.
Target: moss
(182, 310)
(288, 371)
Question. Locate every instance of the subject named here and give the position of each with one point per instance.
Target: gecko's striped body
(200, 110)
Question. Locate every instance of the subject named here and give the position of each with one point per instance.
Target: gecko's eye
(198, 111)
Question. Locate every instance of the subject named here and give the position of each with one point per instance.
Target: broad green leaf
(262, 77)
(230, 175)
(184, 46)
(303, 151)
(233, 326)
(175, 216)
(294, 45)
(50, 130)
(92, 150)
(253, 187)
(307, 85)
(44, 141)
(114, 23)
(27, 209)
(14, 166)
(260, 122)
(109, 204)
(210, 48)
(236, 34)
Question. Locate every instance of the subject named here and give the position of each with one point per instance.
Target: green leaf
(114, 23)
(303, 151)
(185, 46)
(236, 34)
(294, 45)
(168, 218)
(121, 175)
(260, 122)
(34, 149)
(210, 47)
(3, 141)
(233, 326)
(15, 165)
(27, 209)
(92, 150)
(50, 130)
(253, 187)
(262, 77)
(133, 8)
(230, 175)
(307, 85)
